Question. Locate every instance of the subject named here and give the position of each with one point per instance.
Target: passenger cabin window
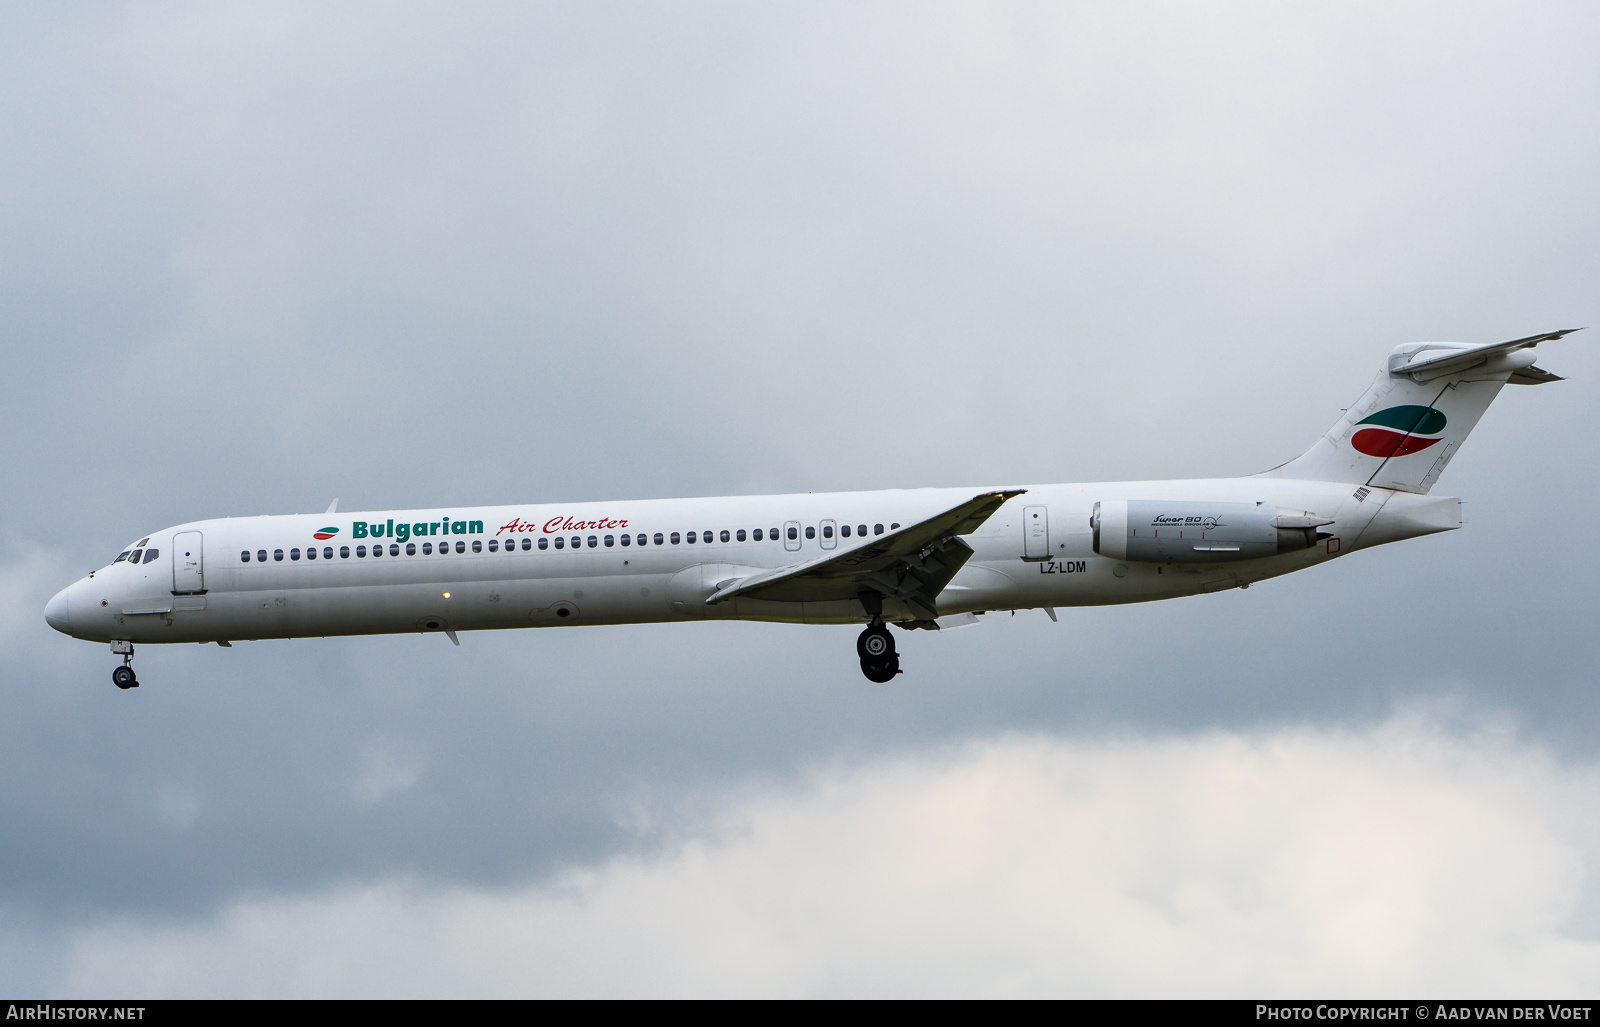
(294, 554)
(593, 542)
(394, 549)
(427, 549)
(844, 531)
(311, 553)
(740, 534)
(689, 538)
(725, 535)
(544, 543)
(361, 552)
(477, 545)
(494, 546)
(895, 526)
(773, 534)
(261, 556)
(756, 534)
(811, 532)
(877, 529)
(527, 544)
(794, 533)
(561, 543)
(674, 537)
(861, 529)
(411, 549)
(277, 555)
(627, 540)
(344, 552)
(611, 540)
(827, 531)
(658, 539)
(461, 547)
(244, 557)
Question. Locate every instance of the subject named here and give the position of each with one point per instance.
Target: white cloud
(1404, 860)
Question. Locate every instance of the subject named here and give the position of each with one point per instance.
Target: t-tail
(1403, 430)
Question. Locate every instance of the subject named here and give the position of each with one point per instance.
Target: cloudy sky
(256, 257)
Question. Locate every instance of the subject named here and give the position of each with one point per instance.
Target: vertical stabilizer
(1403, 430)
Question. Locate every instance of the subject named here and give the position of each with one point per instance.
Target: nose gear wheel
(123, 676)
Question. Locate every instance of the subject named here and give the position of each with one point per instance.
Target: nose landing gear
(879, 662)
(123, 676)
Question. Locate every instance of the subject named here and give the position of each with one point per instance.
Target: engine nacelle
(1200, 532)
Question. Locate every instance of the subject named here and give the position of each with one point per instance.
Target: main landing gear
(123, 676)
(879, 662)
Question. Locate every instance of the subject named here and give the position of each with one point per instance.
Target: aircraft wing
(913, 563)
(1437, 359)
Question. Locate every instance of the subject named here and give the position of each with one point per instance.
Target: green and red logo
(323, 534)
(1399, 431)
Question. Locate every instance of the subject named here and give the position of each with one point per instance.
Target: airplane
(918, 558)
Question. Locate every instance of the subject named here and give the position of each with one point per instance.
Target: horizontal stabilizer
(1427, 360)
(1533, 376)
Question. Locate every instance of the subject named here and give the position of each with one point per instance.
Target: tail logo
(323, 534)
(1399, 431)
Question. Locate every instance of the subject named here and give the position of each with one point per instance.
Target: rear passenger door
(1035, 533)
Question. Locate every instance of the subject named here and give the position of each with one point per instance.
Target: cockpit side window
(121, 558)
(151, 554)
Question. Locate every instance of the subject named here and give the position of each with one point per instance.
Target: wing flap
(912, 564)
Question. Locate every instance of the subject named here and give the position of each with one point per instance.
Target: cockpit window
(151, 554)
(142, 542)
(121, 558)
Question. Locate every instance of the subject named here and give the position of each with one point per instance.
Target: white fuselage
(209, 581)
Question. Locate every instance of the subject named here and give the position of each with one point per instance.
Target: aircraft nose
(55, 611)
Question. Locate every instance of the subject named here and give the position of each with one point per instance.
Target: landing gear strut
(123, 676)
(879, 662)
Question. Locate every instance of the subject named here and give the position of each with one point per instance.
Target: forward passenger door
(188, 571)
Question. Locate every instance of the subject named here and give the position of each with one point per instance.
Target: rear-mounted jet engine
(1162, 532)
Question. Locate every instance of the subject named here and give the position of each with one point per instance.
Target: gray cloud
(258, 257)
(1402, 861)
